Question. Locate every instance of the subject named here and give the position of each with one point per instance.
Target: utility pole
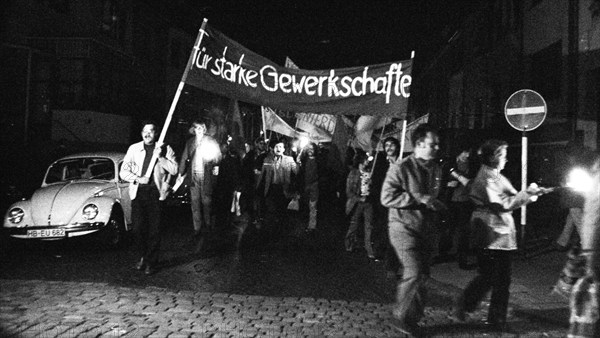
(573, 67)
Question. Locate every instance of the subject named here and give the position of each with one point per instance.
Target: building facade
(79, 75)
(549, 46)
(95, 59)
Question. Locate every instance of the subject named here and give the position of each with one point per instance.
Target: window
(82, 168)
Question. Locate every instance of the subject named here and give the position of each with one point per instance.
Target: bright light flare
(303, 141)
(579, 180)
(209, 150)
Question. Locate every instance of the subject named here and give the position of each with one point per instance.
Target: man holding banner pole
(146, 181)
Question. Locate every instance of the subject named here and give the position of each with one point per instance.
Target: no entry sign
(525, 110)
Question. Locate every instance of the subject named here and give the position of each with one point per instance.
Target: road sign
(525, 110)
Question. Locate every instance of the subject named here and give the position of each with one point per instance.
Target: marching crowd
(427, 208)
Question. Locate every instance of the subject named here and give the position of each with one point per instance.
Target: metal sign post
(525, 110)
(523, 179)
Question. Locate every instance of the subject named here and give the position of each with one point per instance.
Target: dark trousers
(201, 209)
(462, 219)
(363, 211)
(390, 260)
(145, 215)
(457, 225)
(276, 209)
(494, 274)
(384, 246)
(258, 205)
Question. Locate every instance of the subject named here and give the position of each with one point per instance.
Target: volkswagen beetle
(81, 194)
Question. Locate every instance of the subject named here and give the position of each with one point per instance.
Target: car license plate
(46, 233)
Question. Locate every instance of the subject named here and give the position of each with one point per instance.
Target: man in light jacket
(144, 192)
(199, 162)
(410, 191)
(276, 177)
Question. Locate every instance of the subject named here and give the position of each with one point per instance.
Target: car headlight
(90, 211)
(15, 215)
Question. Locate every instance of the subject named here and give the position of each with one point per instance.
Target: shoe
(560, 248)
(374, 258)
(458, 315)
(200, 247)
(150, 270)
(466, 266)
(391, 275)
(496, 326)
(140, 265)
(309, 231)
(410, 330)
(195, 237)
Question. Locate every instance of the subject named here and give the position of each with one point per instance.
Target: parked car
(80, 195)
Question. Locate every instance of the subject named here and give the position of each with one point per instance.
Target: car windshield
(81, 168)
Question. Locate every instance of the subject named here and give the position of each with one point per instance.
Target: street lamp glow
(579, 180)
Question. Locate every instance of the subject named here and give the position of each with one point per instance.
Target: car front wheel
(114, 232)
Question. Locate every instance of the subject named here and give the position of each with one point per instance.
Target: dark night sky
(336, 34)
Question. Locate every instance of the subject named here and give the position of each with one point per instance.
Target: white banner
(275, 123)
(320, 127)
(370, 123)
(363, 131)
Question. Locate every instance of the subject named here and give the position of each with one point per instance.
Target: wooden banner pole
(378, 142)
(190, 63)
(402, 142)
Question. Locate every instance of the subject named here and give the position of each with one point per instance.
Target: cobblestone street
(297, 286)
(71, 309)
